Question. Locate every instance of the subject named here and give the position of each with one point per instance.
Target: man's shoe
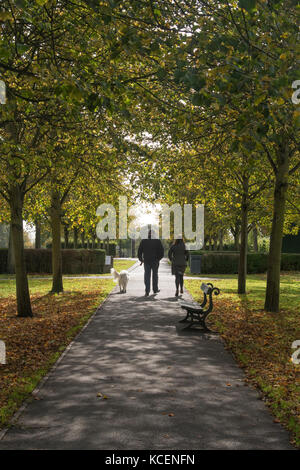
(176, 293)
(146, 294)
(156, 291)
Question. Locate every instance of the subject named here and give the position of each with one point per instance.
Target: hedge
(290, 262)
(111, 247)
(227, 262)
(73, 261)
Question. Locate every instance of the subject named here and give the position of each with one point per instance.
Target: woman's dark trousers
(179, 281)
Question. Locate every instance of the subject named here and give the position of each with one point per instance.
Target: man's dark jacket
(150, 251)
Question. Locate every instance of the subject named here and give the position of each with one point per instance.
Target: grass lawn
(256, 288)
(34, 344)
(260, 341)
(120, 263)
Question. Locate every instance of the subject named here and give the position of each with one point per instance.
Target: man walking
(150, 252)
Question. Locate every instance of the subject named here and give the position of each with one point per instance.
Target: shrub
(217, 262)
(112, 249)
(83, 261)
(290, 262)
(257, 263)
(38, 260)
(223, 263)
(73, 261)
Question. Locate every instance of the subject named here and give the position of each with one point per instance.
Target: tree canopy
(157, 98)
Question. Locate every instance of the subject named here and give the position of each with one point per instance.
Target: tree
(237, 59)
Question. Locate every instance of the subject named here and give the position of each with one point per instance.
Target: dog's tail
(125, 274)
(115, 274)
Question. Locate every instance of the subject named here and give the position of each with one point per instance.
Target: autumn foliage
(33, 344)
(261, 343)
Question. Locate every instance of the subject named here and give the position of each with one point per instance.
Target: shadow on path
(166, 388)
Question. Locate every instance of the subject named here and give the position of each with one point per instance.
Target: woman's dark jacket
(178, 255)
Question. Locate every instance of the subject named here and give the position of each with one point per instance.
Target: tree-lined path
(133, 380)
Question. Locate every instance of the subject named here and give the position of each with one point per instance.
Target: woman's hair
(179, 241)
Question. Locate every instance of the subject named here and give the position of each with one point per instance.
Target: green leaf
(178, 75)
(4, 52)
(5, 15)
(197, 99)
(22, 48)
(106, 19)
(161, 73)
(20, 3)
(248, 5)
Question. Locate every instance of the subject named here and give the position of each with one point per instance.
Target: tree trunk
(82, 240)
(133, 248)
(205, 247)
(216, 242)
(255, 238)
(237, 236)
(280, 192)
(66, 236)
(75, 234)
(22, 290)
(10, 254)
(242, 274)
(221, 235)
(57, 282)
(37, 235)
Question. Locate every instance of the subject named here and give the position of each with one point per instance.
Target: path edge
(46, 377)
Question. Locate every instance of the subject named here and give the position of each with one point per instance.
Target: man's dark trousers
(148, 267)
(150, 252)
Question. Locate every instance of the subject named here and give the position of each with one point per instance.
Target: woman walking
(178, 255)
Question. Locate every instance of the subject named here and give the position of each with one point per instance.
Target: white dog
(122, 278)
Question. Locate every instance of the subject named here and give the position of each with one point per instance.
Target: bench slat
(192, 308)
(189, 304)
(196, 313)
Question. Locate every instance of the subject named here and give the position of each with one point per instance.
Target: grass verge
(34, 344)
(120, 263)
(261, 342)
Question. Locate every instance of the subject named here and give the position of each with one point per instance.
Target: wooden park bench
(197, 313)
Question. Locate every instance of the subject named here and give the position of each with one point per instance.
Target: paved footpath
(166, 388)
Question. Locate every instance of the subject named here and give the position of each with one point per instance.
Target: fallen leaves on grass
(261, 343)
(33, 344)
